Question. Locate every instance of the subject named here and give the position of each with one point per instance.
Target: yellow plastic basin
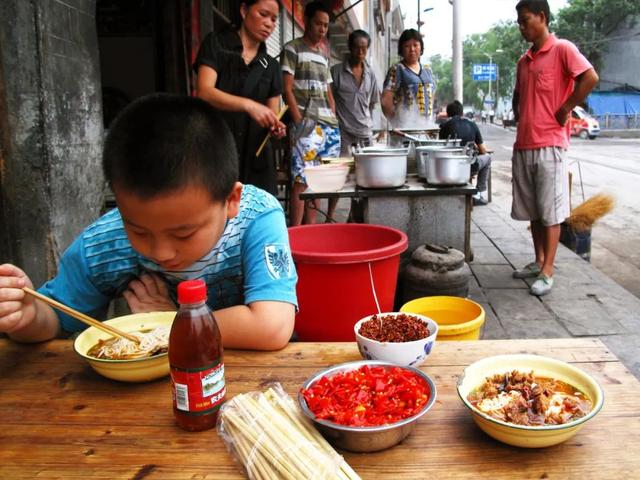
(457, 318)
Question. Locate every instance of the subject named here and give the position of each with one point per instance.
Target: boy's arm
(263, 325)
(266, 320)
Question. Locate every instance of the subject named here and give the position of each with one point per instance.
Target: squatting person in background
(552, 77)
(468, 132)
(356, 93)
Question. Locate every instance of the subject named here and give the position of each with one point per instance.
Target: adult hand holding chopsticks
(263, 115)
(278, 130)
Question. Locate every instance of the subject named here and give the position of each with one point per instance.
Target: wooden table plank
(310, 354)
(59, 419)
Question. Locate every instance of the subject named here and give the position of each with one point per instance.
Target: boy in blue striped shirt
(182, 214)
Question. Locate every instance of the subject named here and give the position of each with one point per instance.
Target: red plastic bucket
(337, 264)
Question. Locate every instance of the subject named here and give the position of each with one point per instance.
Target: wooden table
(59, 419)
(427, 213)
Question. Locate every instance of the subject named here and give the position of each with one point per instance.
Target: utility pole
(457, 52)
(490, 71)
(490, 55)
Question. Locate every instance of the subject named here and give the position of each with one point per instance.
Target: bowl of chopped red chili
(366, 406)
(396, 337)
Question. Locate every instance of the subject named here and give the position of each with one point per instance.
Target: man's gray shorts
(540, 185)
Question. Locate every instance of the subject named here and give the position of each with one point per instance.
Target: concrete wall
(622, 61)
(51, 182)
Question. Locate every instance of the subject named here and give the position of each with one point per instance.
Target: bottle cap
(192, 291)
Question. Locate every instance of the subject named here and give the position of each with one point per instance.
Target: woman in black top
(236, 75)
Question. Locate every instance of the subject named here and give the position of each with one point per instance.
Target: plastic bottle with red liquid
(195, 358)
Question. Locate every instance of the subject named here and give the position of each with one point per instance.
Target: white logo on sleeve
(278, 259)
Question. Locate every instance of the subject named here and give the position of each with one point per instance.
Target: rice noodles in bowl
(152, 342)
(501, 394)
(127, 361)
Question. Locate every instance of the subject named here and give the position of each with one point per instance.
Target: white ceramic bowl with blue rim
(411, 354)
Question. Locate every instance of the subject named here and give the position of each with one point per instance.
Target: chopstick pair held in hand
(81, 316)
(268, 136)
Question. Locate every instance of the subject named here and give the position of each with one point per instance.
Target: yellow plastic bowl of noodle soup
(528, 436)
(136, 370)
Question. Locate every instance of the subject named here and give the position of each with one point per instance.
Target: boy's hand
(148, 294)
(17, 309)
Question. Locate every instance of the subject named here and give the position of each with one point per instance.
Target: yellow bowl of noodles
(124, 360)
(546, 371)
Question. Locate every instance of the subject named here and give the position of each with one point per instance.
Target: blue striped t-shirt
(250, 262)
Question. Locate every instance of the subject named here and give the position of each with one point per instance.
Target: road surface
(609, 165)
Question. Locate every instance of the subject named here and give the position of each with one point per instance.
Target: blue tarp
(620, 103)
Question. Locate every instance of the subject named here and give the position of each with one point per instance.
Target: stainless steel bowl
(381, 168)
(365, 439)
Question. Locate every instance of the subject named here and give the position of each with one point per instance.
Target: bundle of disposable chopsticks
(588, 212)
(271, 439)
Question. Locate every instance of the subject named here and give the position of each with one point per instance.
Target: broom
(588, 212)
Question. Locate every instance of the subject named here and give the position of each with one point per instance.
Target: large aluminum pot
(422, 154)
(447, 168)
(381, 167)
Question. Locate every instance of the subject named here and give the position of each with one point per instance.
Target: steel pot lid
(381, 154)
(430, 148)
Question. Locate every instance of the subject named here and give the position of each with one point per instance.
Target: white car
(583, 125)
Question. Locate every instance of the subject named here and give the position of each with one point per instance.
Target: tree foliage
(441, 68)
(591, 24)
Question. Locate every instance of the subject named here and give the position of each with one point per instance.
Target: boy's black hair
(353, 36)
(317, 6)
(163, 143)
(536, 7)
(454, 108)
(410, 34)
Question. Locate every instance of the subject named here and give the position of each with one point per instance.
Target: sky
(477, 17)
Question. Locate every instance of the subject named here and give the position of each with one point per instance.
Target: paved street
(610, 165)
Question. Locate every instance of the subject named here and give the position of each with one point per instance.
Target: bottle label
(198, 391)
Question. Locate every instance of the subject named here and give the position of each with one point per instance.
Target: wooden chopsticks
(81, 316)
(268, 136)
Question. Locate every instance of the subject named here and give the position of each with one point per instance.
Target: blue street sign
(483, 72)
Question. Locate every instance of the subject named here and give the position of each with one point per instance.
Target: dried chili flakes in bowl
(367, 396)
(395, 328)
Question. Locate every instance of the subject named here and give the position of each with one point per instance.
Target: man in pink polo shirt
(552, 78)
